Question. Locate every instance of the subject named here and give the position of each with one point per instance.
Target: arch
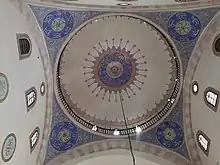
(38, 34)
(200, 47)
(26, 11)
(96, 148)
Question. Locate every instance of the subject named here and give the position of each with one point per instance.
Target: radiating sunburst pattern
(115, 69)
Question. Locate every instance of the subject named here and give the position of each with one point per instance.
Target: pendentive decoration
(114, 70)
(58, 24)
(8, 147)
(184, 26)
(64, 136)
(4, 87)
(170, 134)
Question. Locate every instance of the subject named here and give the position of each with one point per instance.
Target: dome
(104, 68)
(118, 81)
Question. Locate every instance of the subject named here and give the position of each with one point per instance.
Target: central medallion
(114, 69)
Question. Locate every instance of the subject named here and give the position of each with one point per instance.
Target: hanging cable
(126, 126)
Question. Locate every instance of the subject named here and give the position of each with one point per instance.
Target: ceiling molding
(177, 6)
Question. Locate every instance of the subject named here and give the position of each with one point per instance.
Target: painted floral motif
(3, 87)
(8, 147)
(184, 26)
(57, 24)
(114, 70)
(170, 134)
(64, 136)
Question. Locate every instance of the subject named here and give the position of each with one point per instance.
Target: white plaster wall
(203, 118)
(21, 75)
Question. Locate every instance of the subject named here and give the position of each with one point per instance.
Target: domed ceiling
(105, 64)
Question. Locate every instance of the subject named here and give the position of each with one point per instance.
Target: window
(31, 97)
(203, 142)
(216, 45)
(42, 89)
(195, 87)
(211, 97)
(34, 138)
(24, 46)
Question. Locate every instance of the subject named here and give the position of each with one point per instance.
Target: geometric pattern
(57, 24)
(184, 26)
(170, 134)
(115, 70)
(64, 136)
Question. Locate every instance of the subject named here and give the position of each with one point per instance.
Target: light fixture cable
(126, 126)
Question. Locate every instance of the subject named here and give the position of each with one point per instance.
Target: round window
(195, 87)
(216, 45)
(42, 89)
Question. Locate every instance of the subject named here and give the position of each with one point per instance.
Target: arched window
(24, 46)
(34, 138)
(203, 142)
(211, 98)
(31, 97)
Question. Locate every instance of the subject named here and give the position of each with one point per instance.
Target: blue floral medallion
(184, 26)
(57, 24)
(64, 136)
(8, 148)
(115, 70)
(170, 134)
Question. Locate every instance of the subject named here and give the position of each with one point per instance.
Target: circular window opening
(42, 89)
(195, 88)
(216, 45)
